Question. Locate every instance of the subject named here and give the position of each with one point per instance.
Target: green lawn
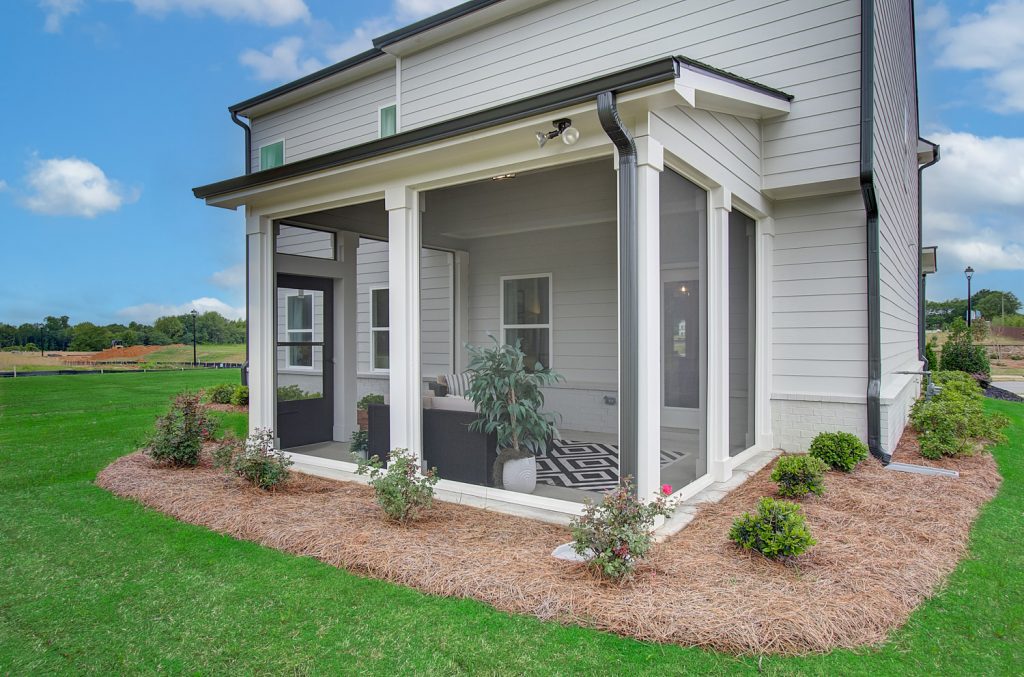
(210, 352)
(93, 583)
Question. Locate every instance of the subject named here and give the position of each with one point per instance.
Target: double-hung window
(526, 316)
(299, 325)
(380, 334)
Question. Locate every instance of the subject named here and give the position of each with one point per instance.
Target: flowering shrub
(180, 432)
(799, 476)
(777, 530)
(402, 491)
(953, 422)
(617, 533)
(839, 450)
(256, 459)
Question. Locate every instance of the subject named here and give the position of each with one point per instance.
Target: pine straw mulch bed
(886, 540)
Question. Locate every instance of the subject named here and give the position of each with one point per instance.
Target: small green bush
(799, 475)
(839, 450)
(616, 533)
(293, 392)
(180, 432)
(929, 355)
(240, 398)
(255, 460)
(961, 354)
(401, 490)
(779, 529)
(220, 394)
(366, 400)
(954, 422)
(360, 442)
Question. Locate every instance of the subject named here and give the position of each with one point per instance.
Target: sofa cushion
(453, 403)
(458, 384)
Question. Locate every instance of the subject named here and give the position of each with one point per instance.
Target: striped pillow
(458, 384)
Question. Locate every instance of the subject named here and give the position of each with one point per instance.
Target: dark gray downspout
(920, 243)
(867, 187)
(629, 300)
(248, 170)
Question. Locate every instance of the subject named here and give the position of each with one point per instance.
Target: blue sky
(116, 108)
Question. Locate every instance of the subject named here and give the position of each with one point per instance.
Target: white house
(704, 214)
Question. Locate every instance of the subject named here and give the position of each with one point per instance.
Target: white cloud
(974, 200)
(281, 61)
(3, 186)
(73, 187)
(57, 11)
(230, 278)
(147, 312)
(269, 12)
(991, 41)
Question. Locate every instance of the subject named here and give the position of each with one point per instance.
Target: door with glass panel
(305, 365)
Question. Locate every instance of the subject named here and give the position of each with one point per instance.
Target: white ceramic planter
(520, 475)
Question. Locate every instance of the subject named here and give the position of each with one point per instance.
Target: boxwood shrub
(839, 450)
(240, 398)
(777, 530)
(220, 394)
(799, 475)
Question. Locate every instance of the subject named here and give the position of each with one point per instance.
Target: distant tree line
(998, 307)
(57, 333)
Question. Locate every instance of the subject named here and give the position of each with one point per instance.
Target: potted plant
(362, 417)
(509, 400)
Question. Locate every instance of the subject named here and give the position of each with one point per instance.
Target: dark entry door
(305, 364)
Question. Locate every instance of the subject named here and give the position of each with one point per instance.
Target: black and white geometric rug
(589, 466)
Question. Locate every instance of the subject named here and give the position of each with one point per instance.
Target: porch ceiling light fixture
(563, 128)
(502, 177)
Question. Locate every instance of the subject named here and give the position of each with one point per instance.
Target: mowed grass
(212, 352)
(94, 583)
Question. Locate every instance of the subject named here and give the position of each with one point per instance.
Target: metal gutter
(867, 187)
(629, 299)
(920, 244)
(434, 21)
(655, 72)
(248, 170)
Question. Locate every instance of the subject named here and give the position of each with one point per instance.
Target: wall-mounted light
(502, 177)
(563, 128)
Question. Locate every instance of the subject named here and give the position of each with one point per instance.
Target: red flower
(666, 489)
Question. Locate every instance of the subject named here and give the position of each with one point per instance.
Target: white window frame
(373, 330)
(311, 331)
(380, 128)
(550, 325)
(284, 152)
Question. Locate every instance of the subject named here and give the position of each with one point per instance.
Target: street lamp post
(968, 273)
(194, 314)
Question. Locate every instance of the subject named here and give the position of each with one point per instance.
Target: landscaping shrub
(360, 441)
(960, 354)
(367, 400)
(799, 475)
(779, 529)
(256, 459)
(293, 392)
(240, 398)
(181, 431)
(929, 355)
(839, 450)
(953, 422)
(402, 491)
(616, 533)
(220, 394)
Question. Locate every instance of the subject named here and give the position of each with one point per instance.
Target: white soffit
(715, 93)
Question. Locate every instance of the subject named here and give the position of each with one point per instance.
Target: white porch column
(259, 239)
(718, 335)
(650, 163)
(345, 338)
(404, 298)
(763, 328)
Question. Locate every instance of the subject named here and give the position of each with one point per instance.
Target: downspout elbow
(248, 140)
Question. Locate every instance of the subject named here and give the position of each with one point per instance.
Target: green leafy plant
(959, 353)
(366, 400)
(953, 422)
(293, 392)
(220, 394)
(360, 442)
(615, 534)
(799, 475)
(240, 398)
(509, 399)
(180, 433)
(778, 529)
(929, 355)
(839, 450)
(401, 490)
(255, 459)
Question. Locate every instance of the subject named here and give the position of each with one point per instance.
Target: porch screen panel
(300, 336)
(683, 270)
(742, 278)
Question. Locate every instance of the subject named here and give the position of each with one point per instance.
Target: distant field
(205, 353)
(33, 362)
